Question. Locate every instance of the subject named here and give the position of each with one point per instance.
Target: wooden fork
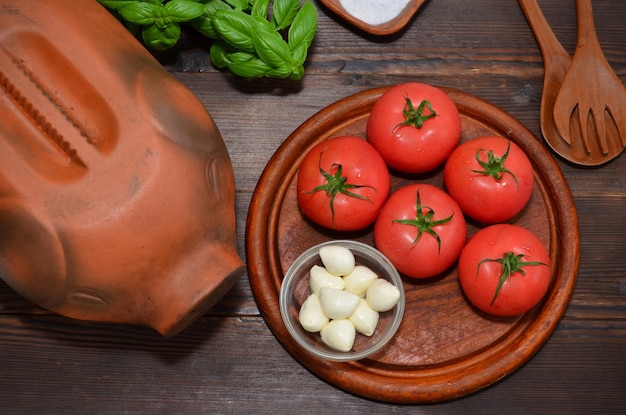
(592, 89)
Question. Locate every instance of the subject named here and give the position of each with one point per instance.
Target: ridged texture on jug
(116, 188)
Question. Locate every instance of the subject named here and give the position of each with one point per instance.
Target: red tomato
(421, 229)
(504, 270)
(414, 126)
(342, 184)
(491, 181)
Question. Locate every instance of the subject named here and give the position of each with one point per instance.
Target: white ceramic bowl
(295, 289)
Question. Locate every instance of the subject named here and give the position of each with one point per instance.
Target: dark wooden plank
(91, 369)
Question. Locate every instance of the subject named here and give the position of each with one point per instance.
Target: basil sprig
(252, 38)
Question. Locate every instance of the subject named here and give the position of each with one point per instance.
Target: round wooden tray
(444, 347)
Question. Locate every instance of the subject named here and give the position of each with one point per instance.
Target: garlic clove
(382, 295)
(339, 334)
(319, 277)
(338, 304)
(364, 318)
(311, 316)
(359, 279)
(337, 259)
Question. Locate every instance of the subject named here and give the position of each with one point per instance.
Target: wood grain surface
(229, 362)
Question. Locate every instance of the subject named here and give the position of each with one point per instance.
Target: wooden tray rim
(420, 384)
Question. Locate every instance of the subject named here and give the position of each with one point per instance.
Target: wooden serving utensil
(556, 62)
(592, 99)
(387, 28)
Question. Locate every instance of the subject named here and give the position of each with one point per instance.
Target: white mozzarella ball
(382, 295)
(337, 259)
(311, 316)
(359, 279)
(364, 318)
(339, 334)
(338, 304)
(319, 277)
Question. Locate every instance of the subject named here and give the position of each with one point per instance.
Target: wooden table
(228, 361)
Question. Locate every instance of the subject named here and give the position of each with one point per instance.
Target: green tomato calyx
(337, 183)
(424, 222)
(415, 116)
(494, 166)
(510, 264)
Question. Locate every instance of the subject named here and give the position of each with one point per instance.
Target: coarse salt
(374, 12)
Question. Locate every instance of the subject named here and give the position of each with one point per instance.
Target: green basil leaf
(141, 13)
(239, 4)
(260, 8)
(298, 55)
(283, 12)
(240, 57)
(235, 28)
(248, 34)
(183, 10)
(303, 28)
(214, 5)
(262, 24)
(271, 48)
(116, 4)
(254, 68)
(284, 72)
(204, 25)
(218, 54)
(204, 22)
(161, 38)
(246, 65)
(297, 73)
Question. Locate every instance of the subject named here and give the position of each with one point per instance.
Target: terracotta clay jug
(116, 188)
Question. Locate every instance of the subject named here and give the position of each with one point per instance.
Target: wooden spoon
(592, 99)
(385, 28)
(556, 62)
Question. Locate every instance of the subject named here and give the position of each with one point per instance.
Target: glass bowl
(295, 290)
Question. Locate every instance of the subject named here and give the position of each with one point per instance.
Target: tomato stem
(511, 264)
(424, 222)
(416, 117)
(494, 166)
(337, 183)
